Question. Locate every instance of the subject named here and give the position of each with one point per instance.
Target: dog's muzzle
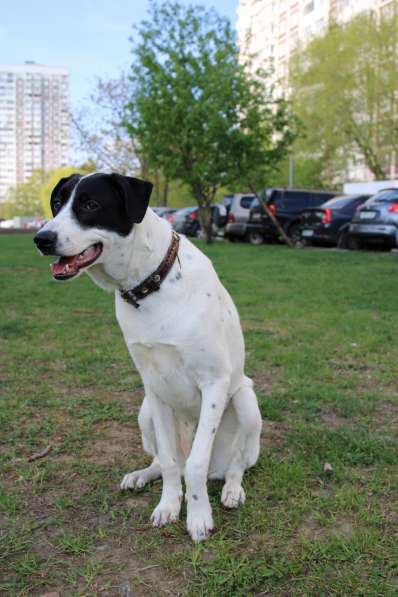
(46, 241)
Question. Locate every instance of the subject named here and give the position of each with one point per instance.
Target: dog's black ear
(135, 194)
(65, 185)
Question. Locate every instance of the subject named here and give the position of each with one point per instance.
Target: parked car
(238, 207)
(163, 212)
(34, 224)
(7, 224)
(187, 221)
(286, 205)
(329, 224)
(376, 221)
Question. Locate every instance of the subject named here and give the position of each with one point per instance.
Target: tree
(100, 134)
(344, 88)
(307, 174)
(99, 131)
(23, 199)
(32, 197)
(196, 112)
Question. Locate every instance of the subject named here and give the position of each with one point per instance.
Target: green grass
(320, 329)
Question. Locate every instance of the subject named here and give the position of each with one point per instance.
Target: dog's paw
(134, 480)
(165, 512)
(200, 524)
(232, 495)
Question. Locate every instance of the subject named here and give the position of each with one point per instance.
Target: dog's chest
(164, 374)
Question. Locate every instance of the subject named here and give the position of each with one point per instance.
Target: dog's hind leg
(246, 446)
(138, 479)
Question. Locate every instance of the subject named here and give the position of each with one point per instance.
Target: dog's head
(91, 214)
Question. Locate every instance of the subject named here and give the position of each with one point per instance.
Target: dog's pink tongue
(65, 265)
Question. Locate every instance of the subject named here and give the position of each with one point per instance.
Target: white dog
(199, 418)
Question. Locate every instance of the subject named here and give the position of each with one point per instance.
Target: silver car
(376, 221)
(238, 215)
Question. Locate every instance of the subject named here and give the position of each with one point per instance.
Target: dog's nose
(46, 241)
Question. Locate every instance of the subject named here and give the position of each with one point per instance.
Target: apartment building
(34, 121)
(271, 30)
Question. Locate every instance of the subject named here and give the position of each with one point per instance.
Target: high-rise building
(271, 30)
(34, 121)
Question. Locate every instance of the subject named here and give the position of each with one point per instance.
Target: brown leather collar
(152, 283)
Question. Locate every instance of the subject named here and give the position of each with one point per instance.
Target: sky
(89, 37)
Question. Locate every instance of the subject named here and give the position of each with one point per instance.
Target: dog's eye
(91, 205)
(56, 205)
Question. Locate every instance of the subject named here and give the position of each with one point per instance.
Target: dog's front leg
(169, 506)
(199, 516)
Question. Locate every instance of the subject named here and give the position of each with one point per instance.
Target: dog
(199, 418)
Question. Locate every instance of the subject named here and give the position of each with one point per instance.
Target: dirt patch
(387, 412)
(341, 526)
(273, 433)
(123, 574)
(135, 577)
(344, 528)
(333, 420)
(351, 363)
(389, 513)
(121, 567)
(263, 382)
(115, 441)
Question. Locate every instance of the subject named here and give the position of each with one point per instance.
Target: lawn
(321, 339)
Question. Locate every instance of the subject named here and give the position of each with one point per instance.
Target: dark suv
(286, 205)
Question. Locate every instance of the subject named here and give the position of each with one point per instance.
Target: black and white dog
(200, 416)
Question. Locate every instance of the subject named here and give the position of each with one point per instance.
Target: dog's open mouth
(68, 267)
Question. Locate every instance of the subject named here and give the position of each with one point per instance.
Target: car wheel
(294, 232)
(343, 240)
(306, 243)
(255, 238)
(353, 244)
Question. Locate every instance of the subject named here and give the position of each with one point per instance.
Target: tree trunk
(157, 190)
(204, 201)
(369, 154)
(206, 223)
(271, 216)
(165, 192)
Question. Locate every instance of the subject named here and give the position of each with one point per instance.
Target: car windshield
(339, 202)
(185, 211)
(247, 201)
(390, 195)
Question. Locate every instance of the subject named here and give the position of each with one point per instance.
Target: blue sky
(89, 37)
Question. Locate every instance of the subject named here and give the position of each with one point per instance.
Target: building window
(294, 18)
(309, 7)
